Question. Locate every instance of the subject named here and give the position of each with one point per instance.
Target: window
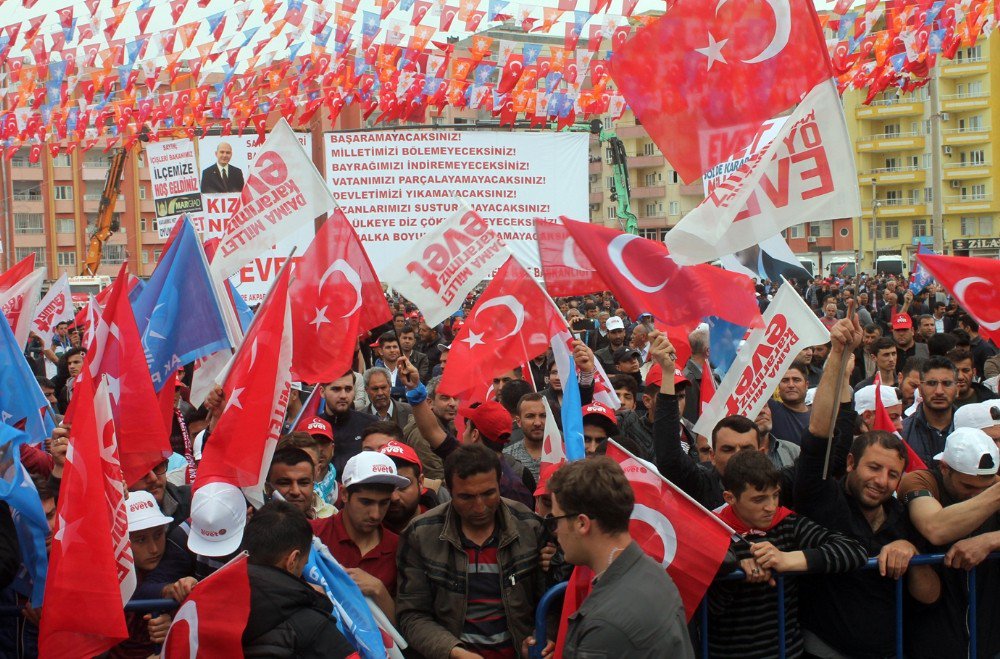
(62, 160)
(914, 197)
(914, 162)
(970, 226)
(145, 257)
(893, 197)
(653, 179)
(654, 209)
(891, 164)
(650, 234)
(797, 231)
(23, 252)
(919, 228)
(113, 254)
(65, 259)
(649, 149)
(65, 225)
(870, 237)
(927, 161)
(673, 177)
(928, 195)
(675, 208)
(976, 88)
(974, 192)
(28, 223)
(63, 192)
(986, 226)
(611, 183)
(821, 229)
(927, 126)
(892, 229)
(891, 129)
(142, 188)
(612, 211)
(156, 255)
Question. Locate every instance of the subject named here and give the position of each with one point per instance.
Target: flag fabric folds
(18, 491)
(22, 403)
(972, 281)
(17, 304)
(56, 307)
(565, 268)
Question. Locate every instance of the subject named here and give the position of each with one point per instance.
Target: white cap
(143, 512)
(614, 323)
(864, 398)
(218, 516)
(978, 415)
(372, 467)
(970, 451)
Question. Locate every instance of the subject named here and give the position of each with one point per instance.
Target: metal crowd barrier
(557, 592)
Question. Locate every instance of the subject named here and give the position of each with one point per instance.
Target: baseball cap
(218, 516)
(491, 419)
(143, 512)
(614, 323)
(400, 451)
(654, 376)
(444, 346)
(627, 353)
(978, 415)
(372, 468)
(317, 426)
(602, 415)
(902, 321)
(970, 451)
(864, 398)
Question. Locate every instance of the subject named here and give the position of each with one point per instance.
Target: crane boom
(106, 226)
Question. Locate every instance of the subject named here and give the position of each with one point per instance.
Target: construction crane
(621, 192)
(106, 225)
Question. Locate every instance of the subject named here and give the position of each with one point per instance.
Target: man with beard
(616, 341)
(531, 419)
(781, 452)
(345, 421)
(908, 381)
(412, 500)
(845, 616)
(967, 390)
(445, 408)
(927, 429)
(790, 415)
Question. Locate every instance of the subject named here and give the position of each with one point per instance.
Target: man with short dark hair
(981, 350)
(925, 431)
(288, 618)
(885, 353)
(902, 334)
(967, 390)
(291, 476)
(412, 500)
(790, 415)
(485, 543)
(380, 433)
(634, 609)
(407, 347)
(345, 421)
(908, 380)
(531, 419)
(355, 535)
(390, 354)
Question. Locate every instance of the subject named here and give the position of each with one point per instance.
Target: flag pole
(836, 403)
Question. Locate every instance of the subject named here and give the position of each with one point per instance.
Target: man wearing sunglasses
(634, 609)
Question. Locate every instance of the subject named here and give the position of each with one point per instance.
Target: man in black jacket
(347, 422)
(288, 618)
(222, 177)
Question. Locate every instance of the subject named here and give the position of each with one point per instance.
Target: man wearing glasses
(175, 501)
(634, 609)
(925, 431)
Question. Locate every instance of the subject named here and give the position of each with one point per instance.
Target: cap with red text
(372, 468)
(400, 451)
(902, 321)
(317, 426)
(601, 415)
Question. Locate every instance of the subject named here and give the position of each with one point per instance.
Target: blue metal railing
(557, 592)
(134, 606)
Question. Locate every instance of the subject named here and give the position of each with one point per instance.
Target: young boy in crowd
(743, 616)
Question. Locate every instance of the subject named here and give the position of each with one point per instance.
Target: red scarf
(727, 515)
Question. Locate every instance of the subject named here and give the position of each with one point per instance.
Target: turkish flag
(115, 350)
(672, 529)
(678, 296)
(884, 422)
(705, 75)
(91, 570)
(972, 282)
(707, 390)
(565, 268)
(17, 272)
(336, 297)
(511, 324)
(211, 620)
(256, 394)
(17, 304)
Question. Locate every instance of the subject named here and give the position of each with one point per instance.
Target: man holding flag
(634, 609)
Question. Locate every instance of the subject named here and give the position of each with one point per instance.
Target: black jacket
(10, 552)
(347, 435)
(289, 619)
(211, 180)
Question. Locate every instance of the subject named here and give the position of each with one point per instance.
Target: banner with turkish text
(789, 326)
(173, 172)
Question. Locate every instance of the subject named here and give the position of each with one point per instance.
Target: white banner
(789, 327)
(283, 194)
(173, 172)
(55, 307)
(806, 172)
(440, 269)
(395, 186)
(17, 304)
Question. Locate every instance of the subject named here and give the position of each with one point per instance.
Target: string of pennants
(72, 82)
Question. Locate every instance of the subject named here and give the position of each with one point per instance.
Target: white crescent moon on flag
(960, 289)
(516, 308)
(615, 249)
(663, 528)
(569, 256)
(352, 277)
(188, 613)
(782, 31)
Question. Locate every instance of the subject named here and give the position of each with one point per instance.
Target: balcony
(968, 203)
(649, 192)
(965, 170)
(893, 175)
(638, 162)
(891, 142)
(93, 172)
(965, 101)
(22, 170)
(596, 197)
(595, 167)
(894, 207)
(882, 109)
(630, 132)
(969, 66)
(693, 189)
(960, 136)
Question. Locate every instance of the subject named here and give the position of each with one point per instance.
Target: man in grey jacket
(634, 609)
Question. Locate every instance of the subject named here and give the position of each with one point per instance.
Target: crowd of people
(445, 518)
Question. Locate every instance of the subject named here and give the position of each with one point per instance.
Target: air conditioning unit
(595, 207)
(945, 117)
(947, 151)
(811, 239)
(955, 185)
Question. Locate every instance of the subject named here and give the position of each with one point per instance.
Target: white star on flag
(320, 318)
(234, 399)
(473, 339)
(713, 51)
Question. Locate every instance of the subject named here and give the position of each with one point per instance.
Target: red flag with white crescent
(972, 282)
(565, 268)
